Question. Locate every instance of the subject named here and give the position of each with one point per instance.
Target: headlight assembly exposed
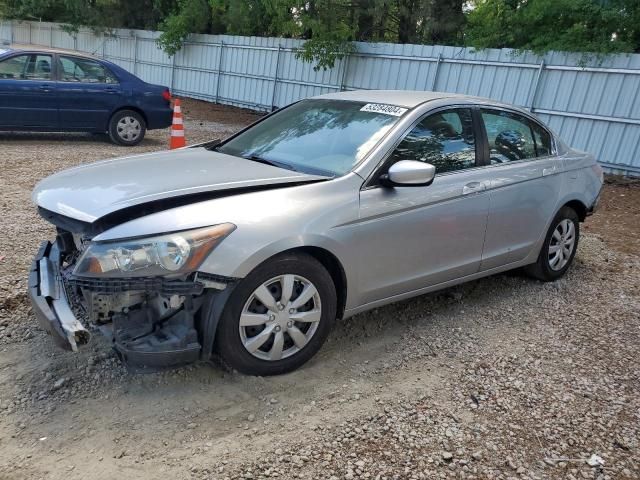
(172, 253)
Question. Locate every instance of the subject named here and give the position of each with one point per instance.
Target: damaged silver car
(250, 248)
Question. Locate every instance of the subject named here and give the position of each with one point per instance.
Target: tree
(189, 16)
(330, 27)
(99, 15)
(544, 25)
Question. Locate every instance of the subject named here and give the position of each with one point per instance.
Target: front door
(28, 96)
(414, 237)
(88, 93)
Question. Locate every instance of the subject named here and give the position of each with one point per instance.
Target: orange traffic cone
(177, 127)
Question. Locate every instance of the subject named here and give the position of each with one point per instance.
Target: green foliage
(190, 16)
(330, 28)
(324, 53)
(99, 15)
(564, 25)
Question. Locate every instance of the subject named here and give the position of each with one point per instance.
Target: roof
(401, 98)
(40, 48)
(413, 98)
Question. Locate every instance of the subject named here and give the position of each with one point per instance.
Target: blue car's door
(28, 97)
(88, 93)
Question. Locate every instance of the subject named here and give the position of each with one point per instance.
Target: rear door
(524, 186)
(415, 237)
(27, 92)
(88, 93)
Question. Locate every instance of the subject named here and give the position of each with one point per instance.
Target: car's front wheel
(127, 127)
(559, 247)
(278, 317)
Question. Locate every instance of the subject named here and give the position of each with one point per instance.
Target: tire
(127, 127)
(265, 329)
(548, 267)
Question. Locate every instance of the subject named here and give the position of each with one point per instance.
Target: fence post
(345, 69)
(534, 93)
(104, 40)
(51, 35)
(30, 39)
(219, 70)
(135, 54)
(173, 70)
(275, 79)
(435, 74)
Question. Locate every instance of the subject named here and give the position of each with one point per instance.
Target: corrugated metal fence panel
(200, 81)
(20, 32)
(5, 32)
(154, 66)
(593, 105)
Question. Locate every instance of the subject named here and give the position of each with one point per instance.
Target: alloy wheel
(280, 317)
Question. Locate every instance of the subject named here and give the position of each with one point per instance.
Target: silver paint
(392, 243)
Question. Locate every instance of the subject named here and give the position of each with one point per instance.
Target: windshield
(325, 137)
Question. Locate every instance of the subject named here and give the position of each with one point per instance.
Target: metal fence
(594, 106)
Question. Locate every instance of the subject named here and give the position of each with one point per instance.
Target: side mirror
(409, 173)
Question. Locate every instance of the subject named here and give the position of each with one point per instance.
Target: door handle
(111, 90)
(473, 187)
(548, 171)
(45, 88)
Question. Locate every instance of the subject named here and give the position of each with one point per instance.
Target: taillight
(166, 95)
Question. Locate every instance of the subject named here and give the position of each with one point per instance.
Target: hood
(91, 191)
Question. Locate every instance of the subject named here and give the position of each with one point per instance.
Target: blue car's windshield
(326, 137)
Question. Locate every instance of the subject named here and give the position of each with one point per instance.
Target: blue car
(56, 91)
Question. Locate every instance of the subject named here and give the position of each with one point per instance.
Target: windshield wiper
(273, 163)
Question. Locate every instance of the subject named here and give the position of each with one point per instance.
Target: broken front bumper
(49, 299)
(142, 341)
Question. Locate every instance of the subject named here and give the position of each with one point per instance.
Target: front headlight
(172, 253)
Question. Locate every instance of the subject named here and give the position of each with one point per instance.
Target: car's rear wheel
(278, 317)
(127, 127)
(559, 247)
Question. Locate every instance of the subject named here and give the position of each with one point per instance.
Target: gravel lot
(499, 378)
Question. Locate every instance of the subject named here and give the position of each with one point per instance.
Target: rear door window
(509, 135)
(84, 70)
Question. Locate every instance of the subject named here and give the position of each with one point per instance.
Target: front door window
(444, 139)
(26, 67)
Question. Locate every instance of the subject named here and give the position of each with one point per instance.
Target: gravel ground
(499, 378)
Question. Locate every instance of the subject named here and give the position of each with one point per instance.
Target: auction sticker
(382, 108)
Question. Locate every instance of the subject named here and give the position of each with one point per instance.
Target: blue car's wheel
(127, 127)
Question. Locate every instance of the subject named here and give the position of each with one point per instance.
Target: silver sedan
(251, 247)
